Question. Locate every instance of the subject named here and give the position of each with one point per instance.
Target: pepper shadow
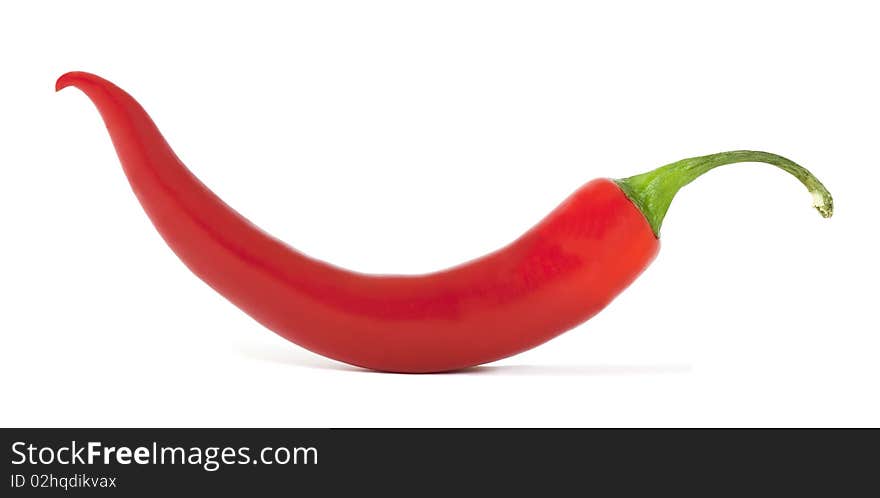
(292, 357)
(298, 357)
(578, 370)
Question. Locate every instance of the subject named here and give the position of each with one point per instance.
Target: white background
(403, 137)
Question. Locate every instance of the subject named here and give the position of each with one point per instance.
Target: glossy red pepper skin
(554, 277)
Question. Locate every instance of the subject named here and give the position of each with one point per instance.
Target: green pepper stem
(653, 191)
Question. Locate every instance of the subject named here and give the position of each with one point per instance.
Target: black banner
(134, 462)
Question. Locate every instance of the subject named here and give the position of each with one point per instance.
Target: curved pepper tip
(70, 79)
(64, 81)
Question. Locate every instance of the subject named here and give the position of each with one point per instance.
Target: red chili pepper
(554, 277)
